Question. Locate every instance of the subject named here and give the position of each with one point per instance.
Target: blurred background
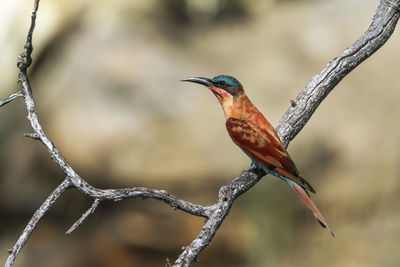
(106, 79)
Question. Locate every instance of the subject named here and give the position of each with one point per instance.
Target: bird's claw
(254, 169)
(251, 168)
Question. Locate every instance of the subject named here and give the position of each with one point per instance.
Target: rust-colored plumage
(249, 130)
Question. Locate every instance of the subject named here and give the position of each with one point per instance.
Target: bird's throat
(238, 107)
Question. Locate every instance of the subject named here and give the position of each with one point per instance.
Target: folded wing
(264, 146)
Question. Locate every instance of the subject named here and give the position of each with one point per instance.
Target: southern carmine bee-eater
(249, 130)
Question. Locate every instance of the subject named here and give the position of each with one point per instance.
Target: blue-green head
(220, 85)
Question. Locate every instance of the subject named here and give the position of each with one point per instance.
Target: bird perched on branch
(249, 130)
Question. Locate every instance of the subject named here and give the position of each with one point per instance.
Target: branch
(292, 122)
(10, 98)
(73, 179)
(382, 26)
(25, 59)
(227, 195)
(47, 204)
(82, 219)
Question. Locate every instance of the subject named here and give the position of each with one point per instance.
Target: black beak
(204, 81)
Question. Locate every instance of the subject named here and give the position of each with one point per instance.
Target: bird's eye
(221, 83)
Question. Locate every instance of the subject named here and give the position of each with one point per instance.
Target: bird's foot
(253, 168)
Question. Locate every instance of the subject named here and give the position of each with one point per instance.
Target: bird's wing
(265, 147)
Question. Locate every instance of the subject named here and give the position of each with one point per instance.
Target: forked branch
(383, 24)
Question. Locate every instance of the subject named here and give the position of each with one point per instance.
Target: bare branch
(144, 192)
(96, 203)
(25, 59)
(227, 195)
(73, 179)
(32, 135)
(47, 204)
(10, 98)
(382, 26)
(110, 194)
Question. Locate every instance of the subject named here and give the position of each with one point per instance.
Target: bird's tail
(302, 193)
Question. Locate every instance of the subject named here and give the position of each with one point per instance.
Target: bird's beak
(204, 81)
(218, 92)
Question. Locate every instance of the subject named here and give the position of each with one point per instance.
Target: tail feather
(297, 179)
(302, 193)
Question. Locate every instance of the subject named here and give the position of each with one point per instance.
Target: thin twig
(25, 59)
(81, 220)
(34, 136)
(10, 98)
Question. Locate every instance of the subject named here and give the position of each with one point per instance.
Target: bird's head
(225, 88)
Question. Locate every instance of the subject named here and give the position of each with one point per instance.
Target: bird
(255, 136)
